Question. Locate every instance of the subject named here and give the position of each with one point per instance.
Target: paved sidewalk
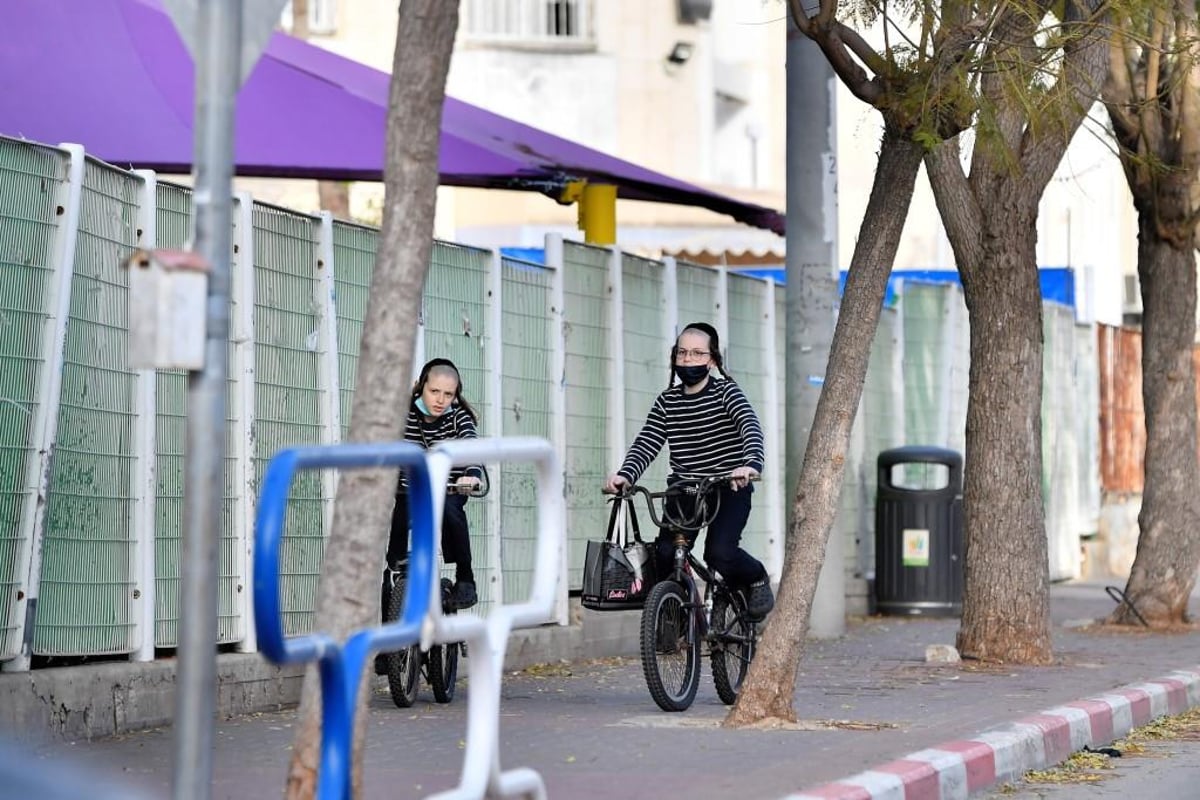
(865, 699)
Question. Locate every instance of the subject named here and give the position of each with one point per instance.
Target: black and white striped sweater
(711, 432)
(455, 423)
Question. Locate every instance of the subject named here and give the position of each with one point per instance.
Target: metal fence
(574, 350)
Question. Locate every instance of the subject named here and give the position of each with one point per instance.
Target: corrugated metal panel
(287, 394)
(746, 354)
(87, 582)
(31, 176)
(587, 370)
(527, 385)
(354, 249)
(455, 319)
(1122, 416)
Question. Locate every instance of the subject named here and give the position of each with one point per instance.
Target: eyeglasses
(682, 354)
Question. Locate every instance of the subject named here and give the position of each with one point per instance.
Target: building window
(538, 22)
(322, 17)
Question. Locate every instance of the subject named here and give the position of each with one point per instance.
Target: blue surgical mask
(423, 408)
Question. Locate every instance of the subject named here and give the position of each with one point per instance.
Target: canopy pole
(597, 210)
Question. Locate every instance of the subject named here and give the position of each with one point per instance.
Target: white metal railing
(529, 21)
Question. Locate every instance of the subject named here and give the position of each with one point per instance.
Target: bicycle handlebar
(697, 486)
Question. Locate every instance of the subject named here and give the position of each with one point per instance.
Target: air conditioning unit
(1131, 297)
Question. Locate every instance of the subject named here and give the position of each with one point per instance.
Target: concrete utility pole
(811, 282)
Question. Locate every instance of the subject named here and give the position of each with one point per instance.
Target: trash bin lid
(920, 454)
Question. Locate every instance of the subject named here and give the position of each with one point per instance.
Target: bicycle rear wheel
(732, 645)
(443, 671)
(403, 665)
(670, 651)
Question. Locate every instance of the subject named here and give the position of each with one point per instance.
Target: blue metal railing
(340, 665)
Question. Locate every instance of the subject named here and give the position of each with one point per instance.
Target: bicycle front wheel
(670, 650)
(403, 665)
(731, 639)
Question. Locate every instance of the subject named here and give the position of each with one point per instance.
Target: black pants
(456, 539)
(722, 550)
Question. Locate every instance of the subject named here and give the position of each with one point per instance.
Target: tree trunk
(1164, 570)
(1006, 578)
(1153, 99)
(348, 598)
(769, 689)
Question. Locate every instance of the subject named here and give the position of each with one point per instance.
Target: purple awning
(114, 76)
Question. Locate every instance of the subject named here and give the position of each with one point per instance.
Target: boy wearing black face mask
(709, 428)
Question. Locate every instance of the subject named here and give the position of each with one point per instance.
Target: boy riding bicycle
(709, 428)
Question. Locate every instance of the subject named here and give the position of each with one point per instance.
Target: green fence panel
(697, 293)
(746, 354)
(586, 335)
(455, 317)
(878, 426)
(528, 384)
(647, 351)
(287, 394)
(32, 177)
(354, 249)
(85, 602)
(172, 220)
(934, 323)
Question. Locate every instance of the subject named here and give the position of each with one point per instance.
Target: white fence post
(328, 382)
(558, 396)
(671, 296)
(242, 369)
(145, 466)
(776, 498)
(44, 430)
(722, 321)
(616, 364)
(494, 421)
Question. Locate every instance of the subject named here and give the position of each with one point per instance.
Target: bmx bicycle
(440, 664)
(678, 617)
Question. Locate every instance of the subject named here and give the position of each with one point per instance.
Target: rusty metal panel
(1122, 417)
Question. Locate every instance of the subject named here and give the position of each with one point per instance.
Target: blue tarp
(1058, 283)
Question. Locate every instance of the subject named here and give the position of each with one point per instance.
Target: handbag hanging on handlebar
(618, 572)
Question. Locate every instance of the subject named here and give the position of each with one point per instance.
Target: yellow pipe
(598, 213)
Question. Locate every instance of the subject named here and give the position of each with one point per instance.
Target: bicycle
(440, 664)
(676, 618)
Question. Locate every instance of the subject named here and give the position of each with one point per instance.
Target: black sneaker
(381, 664)
(759, 599)
(464, 595)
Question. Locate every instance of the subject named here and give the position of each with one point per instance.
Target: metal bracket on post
(167, 309)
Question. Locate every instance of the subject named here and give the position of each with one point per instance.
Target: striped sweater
(455, 423)
(711, 432)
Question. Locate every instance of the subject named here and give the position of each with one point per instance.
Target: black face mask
(691, 374)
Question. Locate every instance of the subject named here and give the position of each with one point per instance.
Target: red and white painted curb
(958, 769)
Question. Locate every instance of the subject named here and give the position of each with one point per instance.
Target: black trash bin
(918, 532)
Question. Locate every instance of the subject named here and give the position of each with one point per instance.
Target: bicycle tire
(670, 662)
(403, 665)
(731, 646)
(443, 671)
